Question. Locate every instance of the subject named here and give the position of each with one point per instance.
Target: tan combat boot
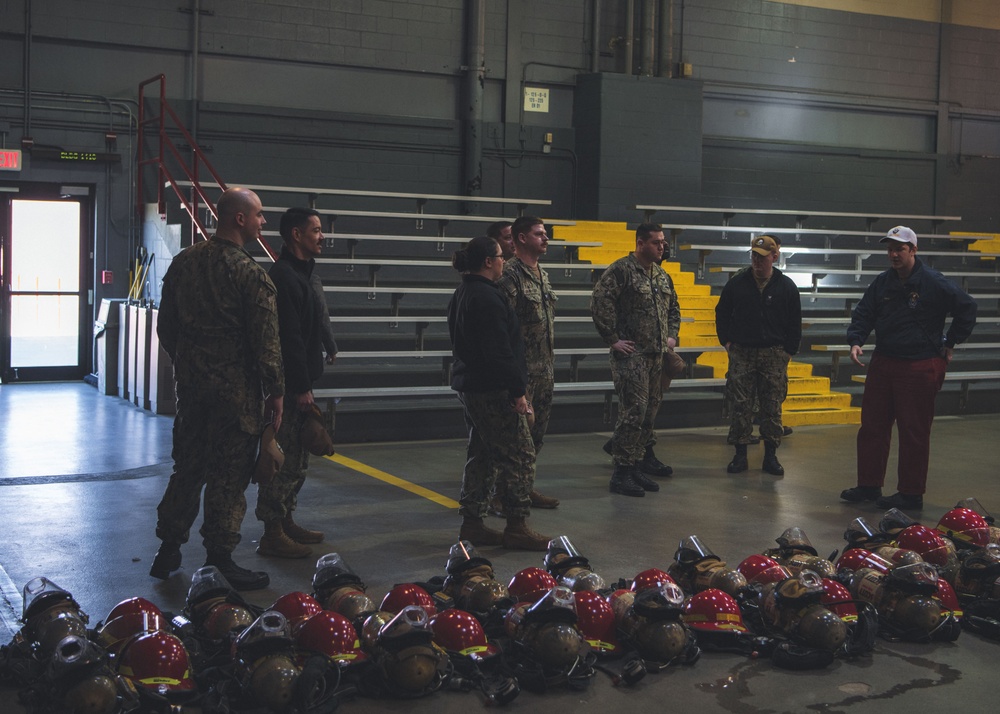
(299, 534)
(517, 536)
(540, 501)
(477, 533)
(275, 542)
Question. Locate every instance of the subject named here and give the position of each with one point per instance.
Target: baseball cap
(901, 234)
(763, 245)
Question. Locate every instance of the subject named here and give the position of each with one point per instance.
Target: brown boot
(540, 501)
(299, 534)
(477, 533)
(275, 542)
(517, 536)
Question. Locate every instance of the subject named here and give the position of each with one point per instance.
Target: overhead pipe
(666, 46)
(475, 78)
(647, 30)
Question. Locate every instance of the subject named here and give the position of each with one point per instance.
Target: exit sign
(10, 159)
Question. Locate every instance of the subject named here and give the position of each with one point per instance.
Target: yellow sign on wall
(536, 99)
(973, 13)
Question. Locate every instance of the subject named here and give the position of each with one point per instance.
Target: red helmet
(858, 558)
(713, 611)
(331, 634)
(965, 527)
(157, 661)
(116, 632)
(837, 598)
(651, 578)
(297, 607)
(132, 606)
(924, 541)
(530, 585)
(949, 600)
(459, 632)
(596, 620)
(760, 570)
(408, 594)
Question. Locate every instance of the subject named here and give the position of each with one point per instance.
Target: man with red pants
(906, 306)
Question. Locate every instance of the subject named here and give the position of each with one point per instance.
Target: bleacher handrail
(191, 172)
(815, 231)
(397, 194)
(792, 212)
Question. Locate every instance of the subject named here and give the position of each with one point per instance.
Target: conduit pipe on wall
(195, 49)
(666, 46)
(475, 77)
(595, 37)
(647, 34)
(27, 68)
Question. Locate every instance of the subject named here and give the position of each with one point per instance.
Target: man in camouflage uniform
(218, 322)
(759, 320)
(501, 233)
(635, 311)
(529, 293)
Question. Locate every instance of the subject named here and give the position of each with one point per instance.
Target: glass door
(44, 295)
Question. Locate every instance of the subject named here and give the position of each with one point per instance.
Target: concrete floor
(81, 475)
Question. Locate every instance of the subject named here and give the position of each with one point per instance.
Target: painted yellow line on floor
(394, 480)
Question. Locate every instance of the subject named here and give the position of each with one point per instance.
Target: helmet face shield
(207, 582)
(795, 538)
(557, 605)
(333, 571)
(691, 550)
(894, 520)
(860, 530)
(973, 504)
(40, 594)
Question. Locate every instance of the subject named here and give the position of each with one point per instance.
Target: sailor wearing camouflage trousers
(635, 310)
(759, 320)
(526, 286)
(490, 377)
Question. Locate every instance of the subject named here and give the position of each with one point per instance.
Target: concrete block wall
(369, 94)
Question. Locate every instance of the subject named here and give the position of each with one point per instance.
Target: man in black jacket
(302, 354)
(759, 320)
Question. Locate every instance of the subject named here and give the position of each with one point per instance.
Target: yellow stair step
(829, 400)
(799, 369)
(851, 415)
(698, 328)
(699, 341)
(808, 385)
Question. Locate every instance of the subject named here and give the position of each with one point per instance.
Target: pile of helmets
(557, 625)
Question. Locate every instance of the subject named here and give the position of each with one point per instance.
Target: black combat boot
(771, 464)
(645, 481)
(622, 481)
(166, 561)
(739, 463)
(239, 578)
(653, 466)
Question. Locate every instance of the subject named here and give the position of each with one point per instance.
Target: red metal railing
(162, 122)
